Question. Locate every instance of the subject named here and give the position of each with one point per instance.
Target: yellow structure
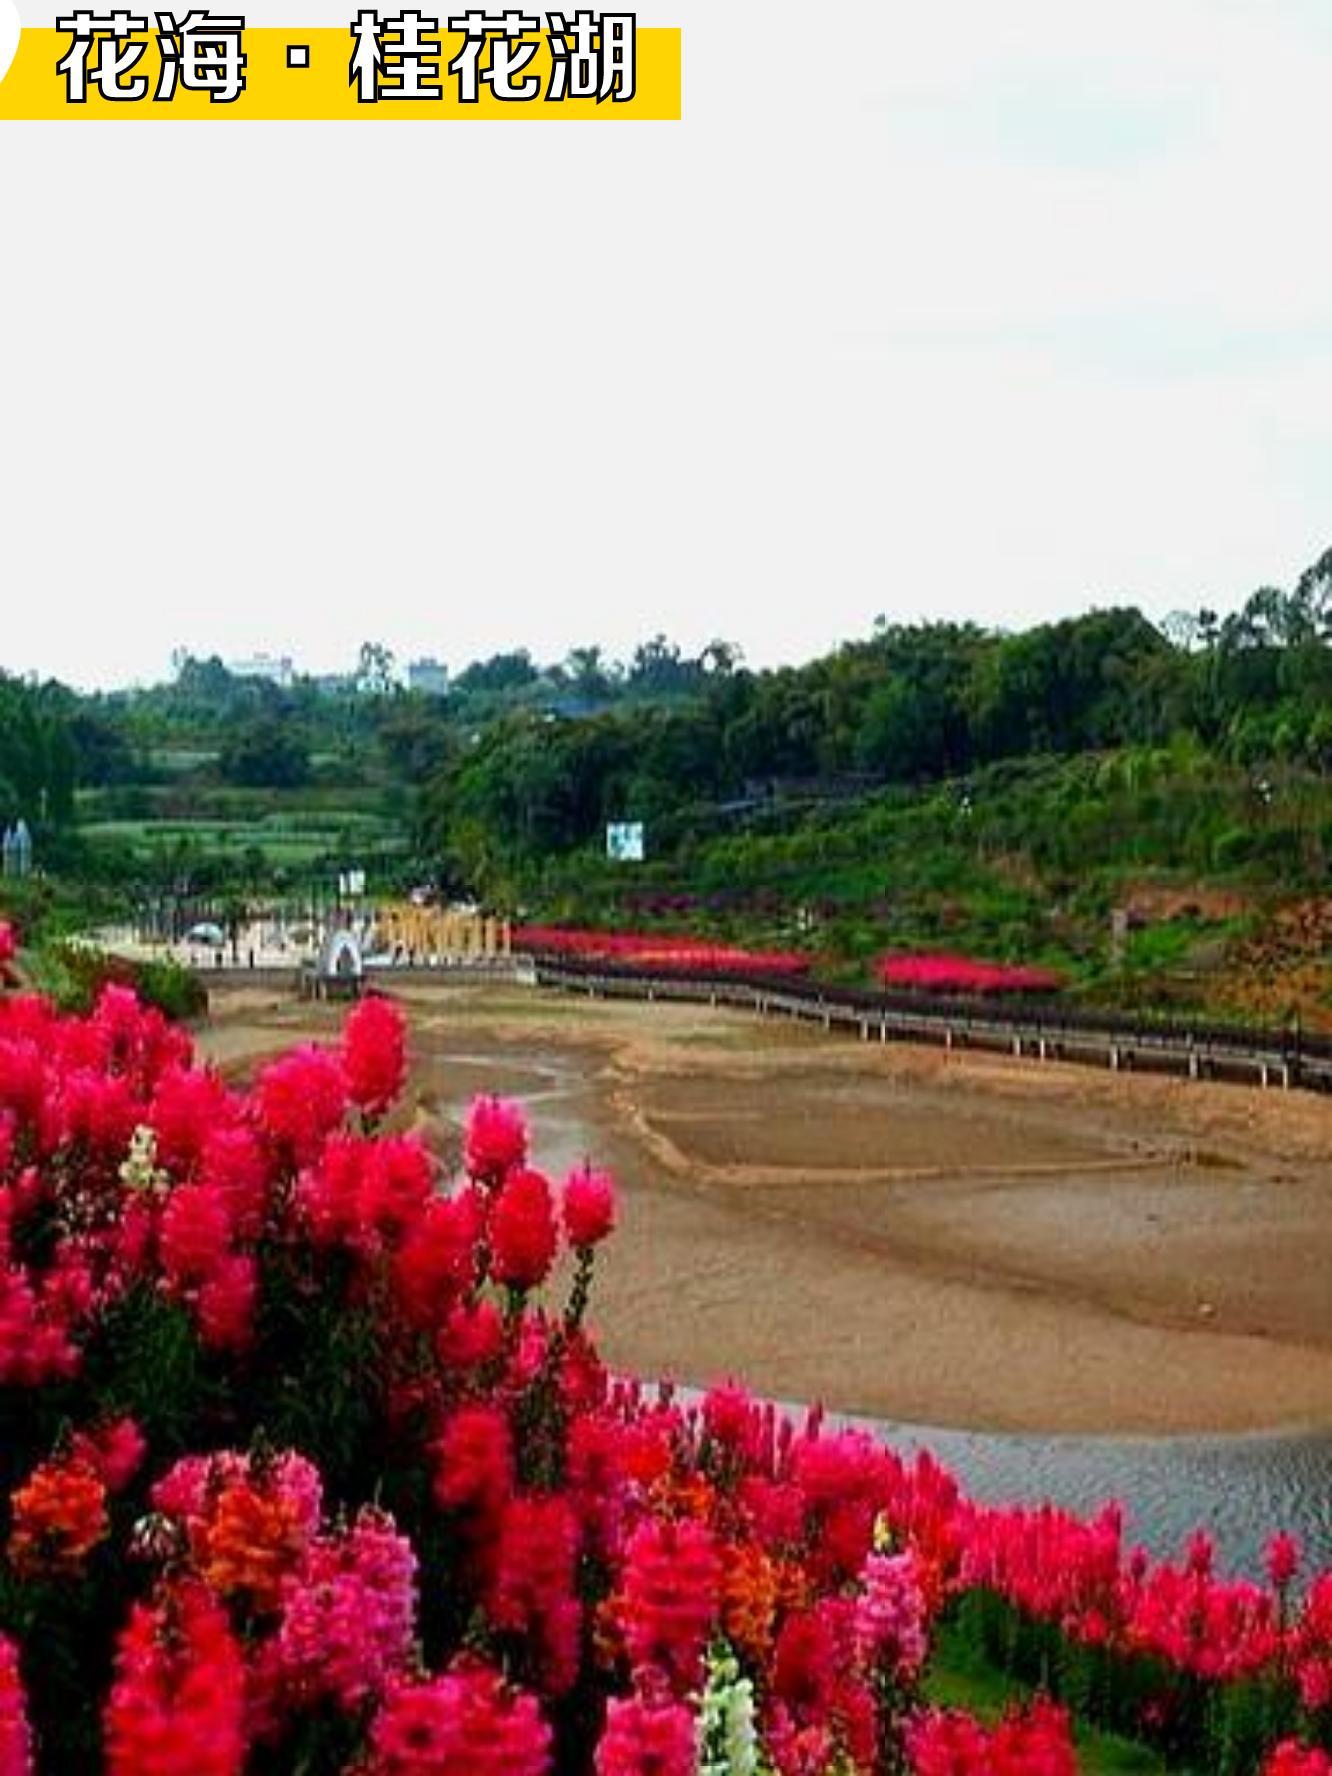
(444, 934)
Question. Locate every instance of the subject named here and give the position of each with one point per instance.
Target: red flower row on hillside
(653, 950)
(297, 1454)
(949, 974)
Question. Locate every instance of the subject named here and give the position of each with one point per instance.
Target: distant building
(430, 676)
(276, 669)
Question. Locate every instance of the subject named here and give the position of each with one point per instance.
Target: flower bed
(946, 974)
(309, 1464)
(688, 955)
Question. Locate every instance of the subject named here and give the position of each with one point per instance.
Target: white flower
(727, 1739)
(140, 1170)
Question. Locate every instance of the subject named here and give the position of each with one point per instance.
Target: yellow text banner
(304, 75)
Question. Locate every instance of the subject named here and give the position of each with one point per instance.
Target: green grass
(953, 1681)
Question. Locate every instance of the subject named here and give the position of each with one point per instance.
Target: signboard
(625, 842)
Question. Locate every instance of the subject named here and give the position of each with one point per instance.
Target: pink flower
(466, 1723)
(589, 1207)
(647, 1739)
(890, 1617)
(348, 1616)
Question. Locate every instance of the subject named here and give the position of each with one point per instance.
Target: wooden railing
(1040, 1031)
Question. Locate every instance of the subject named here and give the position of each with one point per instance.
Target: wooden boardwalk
(1270, 1058)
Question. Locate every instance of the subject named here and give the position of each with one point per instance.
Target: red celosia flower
(15, 1737)
(589, 1206)
(467, 1723)
(59, 1517)
(805, 1664)
(374, 1055)
(496, 1139)
(523, 1234)
(177, 1704)
(328, 1195)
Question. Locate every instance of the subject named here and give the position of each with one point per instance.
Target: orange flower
(251, 1540)
(684, 1495)
(794, 1591)
(59, 1517)
(749, 1599)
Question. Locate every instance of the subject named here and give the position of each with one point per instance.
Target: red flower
(1283, 1560)
(115, 1451)
(302, 1098)
(523, 1235)
(195, 1234)
(15, 1738)
(533, 1591)
(496, 1139)
(589, 1207)
(474, 1461)
(670, 1597)
(177, 1704)
(374, 1055)
(437, 1262)
(1293, 1759)
(225, 1304)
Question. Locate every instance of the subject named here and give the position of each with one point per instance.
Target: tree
(265, 755)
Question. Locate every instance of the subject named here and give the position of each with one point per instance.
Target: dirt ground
(941, 1239)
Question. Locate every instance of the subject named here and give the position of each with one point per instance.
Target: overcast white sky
(991, 309)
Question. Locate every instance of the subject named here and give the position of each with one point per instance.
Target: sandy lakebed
(948, 1240)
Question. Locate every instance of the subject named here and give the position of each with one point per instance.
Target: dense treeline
(515, 766)
(38, 752)
(909, 706)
